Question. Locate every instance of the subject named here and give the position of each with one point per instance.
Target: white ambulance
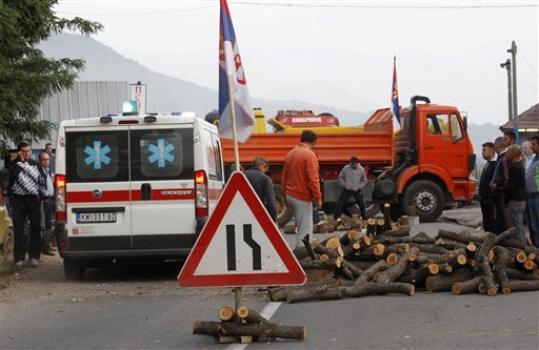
(133, 187)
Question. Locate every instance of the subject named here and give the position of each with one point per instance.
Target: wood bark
(420, 238)
(368, 274)
(520, 275)
(393, 272)
(468, 286)
(441, 283)
(524, 285)
(351, 291)
(462, 237)
(387, 217)
(402, 231)
(449, 244)
(501, 268)
(414, 276)
(256, 330)
(380, 223)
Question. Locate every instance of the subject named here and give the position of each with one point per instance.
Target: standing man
(47, 203)
(499, 179)
(485, 192)
(515, 191)
(532, 192)
(528, 153)
(25, 183)
(263, 185)
(300, 182)
(352, 179)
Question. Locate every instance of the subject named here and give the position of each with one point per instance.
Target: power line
(526, 61)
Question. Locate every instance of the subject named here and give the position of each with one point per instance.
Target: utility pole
(513, 51)
(507, 66)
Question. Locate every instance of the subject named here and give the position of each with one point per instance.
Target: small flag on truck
(233, 91)
(395, 108)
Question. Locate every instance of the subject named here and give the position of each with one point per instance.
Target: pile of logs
(388, 260)
(245, 325)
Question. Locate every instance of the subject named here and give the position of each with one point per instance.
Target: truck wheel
(283, 215)
(427, 198)
(73, 269)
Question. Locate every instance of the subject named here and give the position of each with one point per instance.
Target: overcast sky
(337, 52)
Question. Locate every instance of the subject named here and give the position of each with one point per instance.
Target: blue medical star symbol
(97, 155)
(161, 153)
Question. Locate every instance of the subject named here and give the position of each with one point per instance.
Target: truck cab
(433, 161)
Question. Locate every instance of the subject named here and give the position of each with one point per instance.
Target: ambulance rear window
(97, 156)
(162, 154)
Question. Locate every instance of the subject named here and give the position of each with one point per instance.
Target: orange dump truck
(423, 168)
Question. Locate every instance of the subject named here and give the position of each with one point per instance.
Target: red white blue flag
(395, 108)
(231, 70)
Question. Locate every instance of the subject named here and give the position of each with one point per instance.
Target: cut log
(226, 313)
(447, 269)
(356, 271)
(471, 247)
(468, 286)
(371, 226)
(333, 243)
(368, 274)
(392, 258)
(462, 237)
(514, 274)
(404, 220)
(393, 272)
(307, 243)
(387, 217)
(525, 285)
(488, 279)
(415, 276)
(351, 250)
(352, 291)
(501, 268)
(431, 248)
(279, 293)
(521, 257)
(454, 258)
(349, 237)
(529, 265)
(402, 231)
(449, 244)
(492, 240)
(380, 226)
(398, 248)
(367, 240)
(332, 253)
(440, 283)
(374, 252)
(218, 329)
(251, 316)
(433, 268)
(420, 238)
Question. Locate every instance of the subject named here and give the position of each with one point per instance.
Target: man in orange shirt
(301, 184)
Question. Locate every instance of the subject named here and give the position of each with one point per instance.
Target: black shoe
(48, 251)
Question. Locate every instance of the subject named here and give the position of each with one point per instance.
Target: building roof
(526, 120)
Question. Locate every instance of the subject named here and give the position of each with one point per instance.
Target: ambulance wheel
(73, 269)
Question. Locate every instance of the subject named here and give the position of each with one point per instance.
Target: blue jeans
(532, 211)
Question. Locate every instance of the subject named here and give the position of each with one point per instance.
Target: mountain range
(166, 93)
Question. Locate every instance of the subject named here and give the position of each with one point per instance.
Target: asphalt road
(142, 307)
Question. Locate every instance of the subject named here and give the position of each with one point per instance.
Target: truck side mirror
(465, 119)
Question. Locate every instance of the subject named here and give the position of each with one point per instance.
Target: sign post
(137, 92)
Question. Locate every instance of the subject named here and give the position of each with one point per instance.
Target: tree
(26, 75)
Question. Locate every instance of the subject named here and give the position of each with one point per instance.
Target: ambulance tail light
(201, 194)
(60, 197)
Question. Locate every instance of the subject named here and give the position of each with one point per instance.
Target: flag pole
(238, 293)
(234, 129)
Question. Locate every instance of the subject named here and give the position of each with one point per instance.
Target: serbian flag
(395, 108)
(231, 71)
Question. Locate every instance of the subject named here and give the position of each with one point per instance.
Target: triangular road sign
(240, 245)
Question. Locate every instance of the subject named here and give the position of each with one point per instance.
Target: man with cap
(352, 179)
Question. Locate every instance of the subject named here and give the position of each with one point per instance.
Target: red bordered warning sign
(240, 245)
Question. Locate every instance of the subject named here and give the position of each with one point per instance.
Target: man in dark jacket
(485, 192)
(263, 185)
(499, 179)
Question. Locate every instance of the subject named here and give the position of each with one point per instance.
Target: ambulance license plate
(96, 217)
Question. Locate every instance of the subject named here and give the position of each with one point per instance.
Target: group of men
(300, 182)
(509, 186)
(30, 193)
